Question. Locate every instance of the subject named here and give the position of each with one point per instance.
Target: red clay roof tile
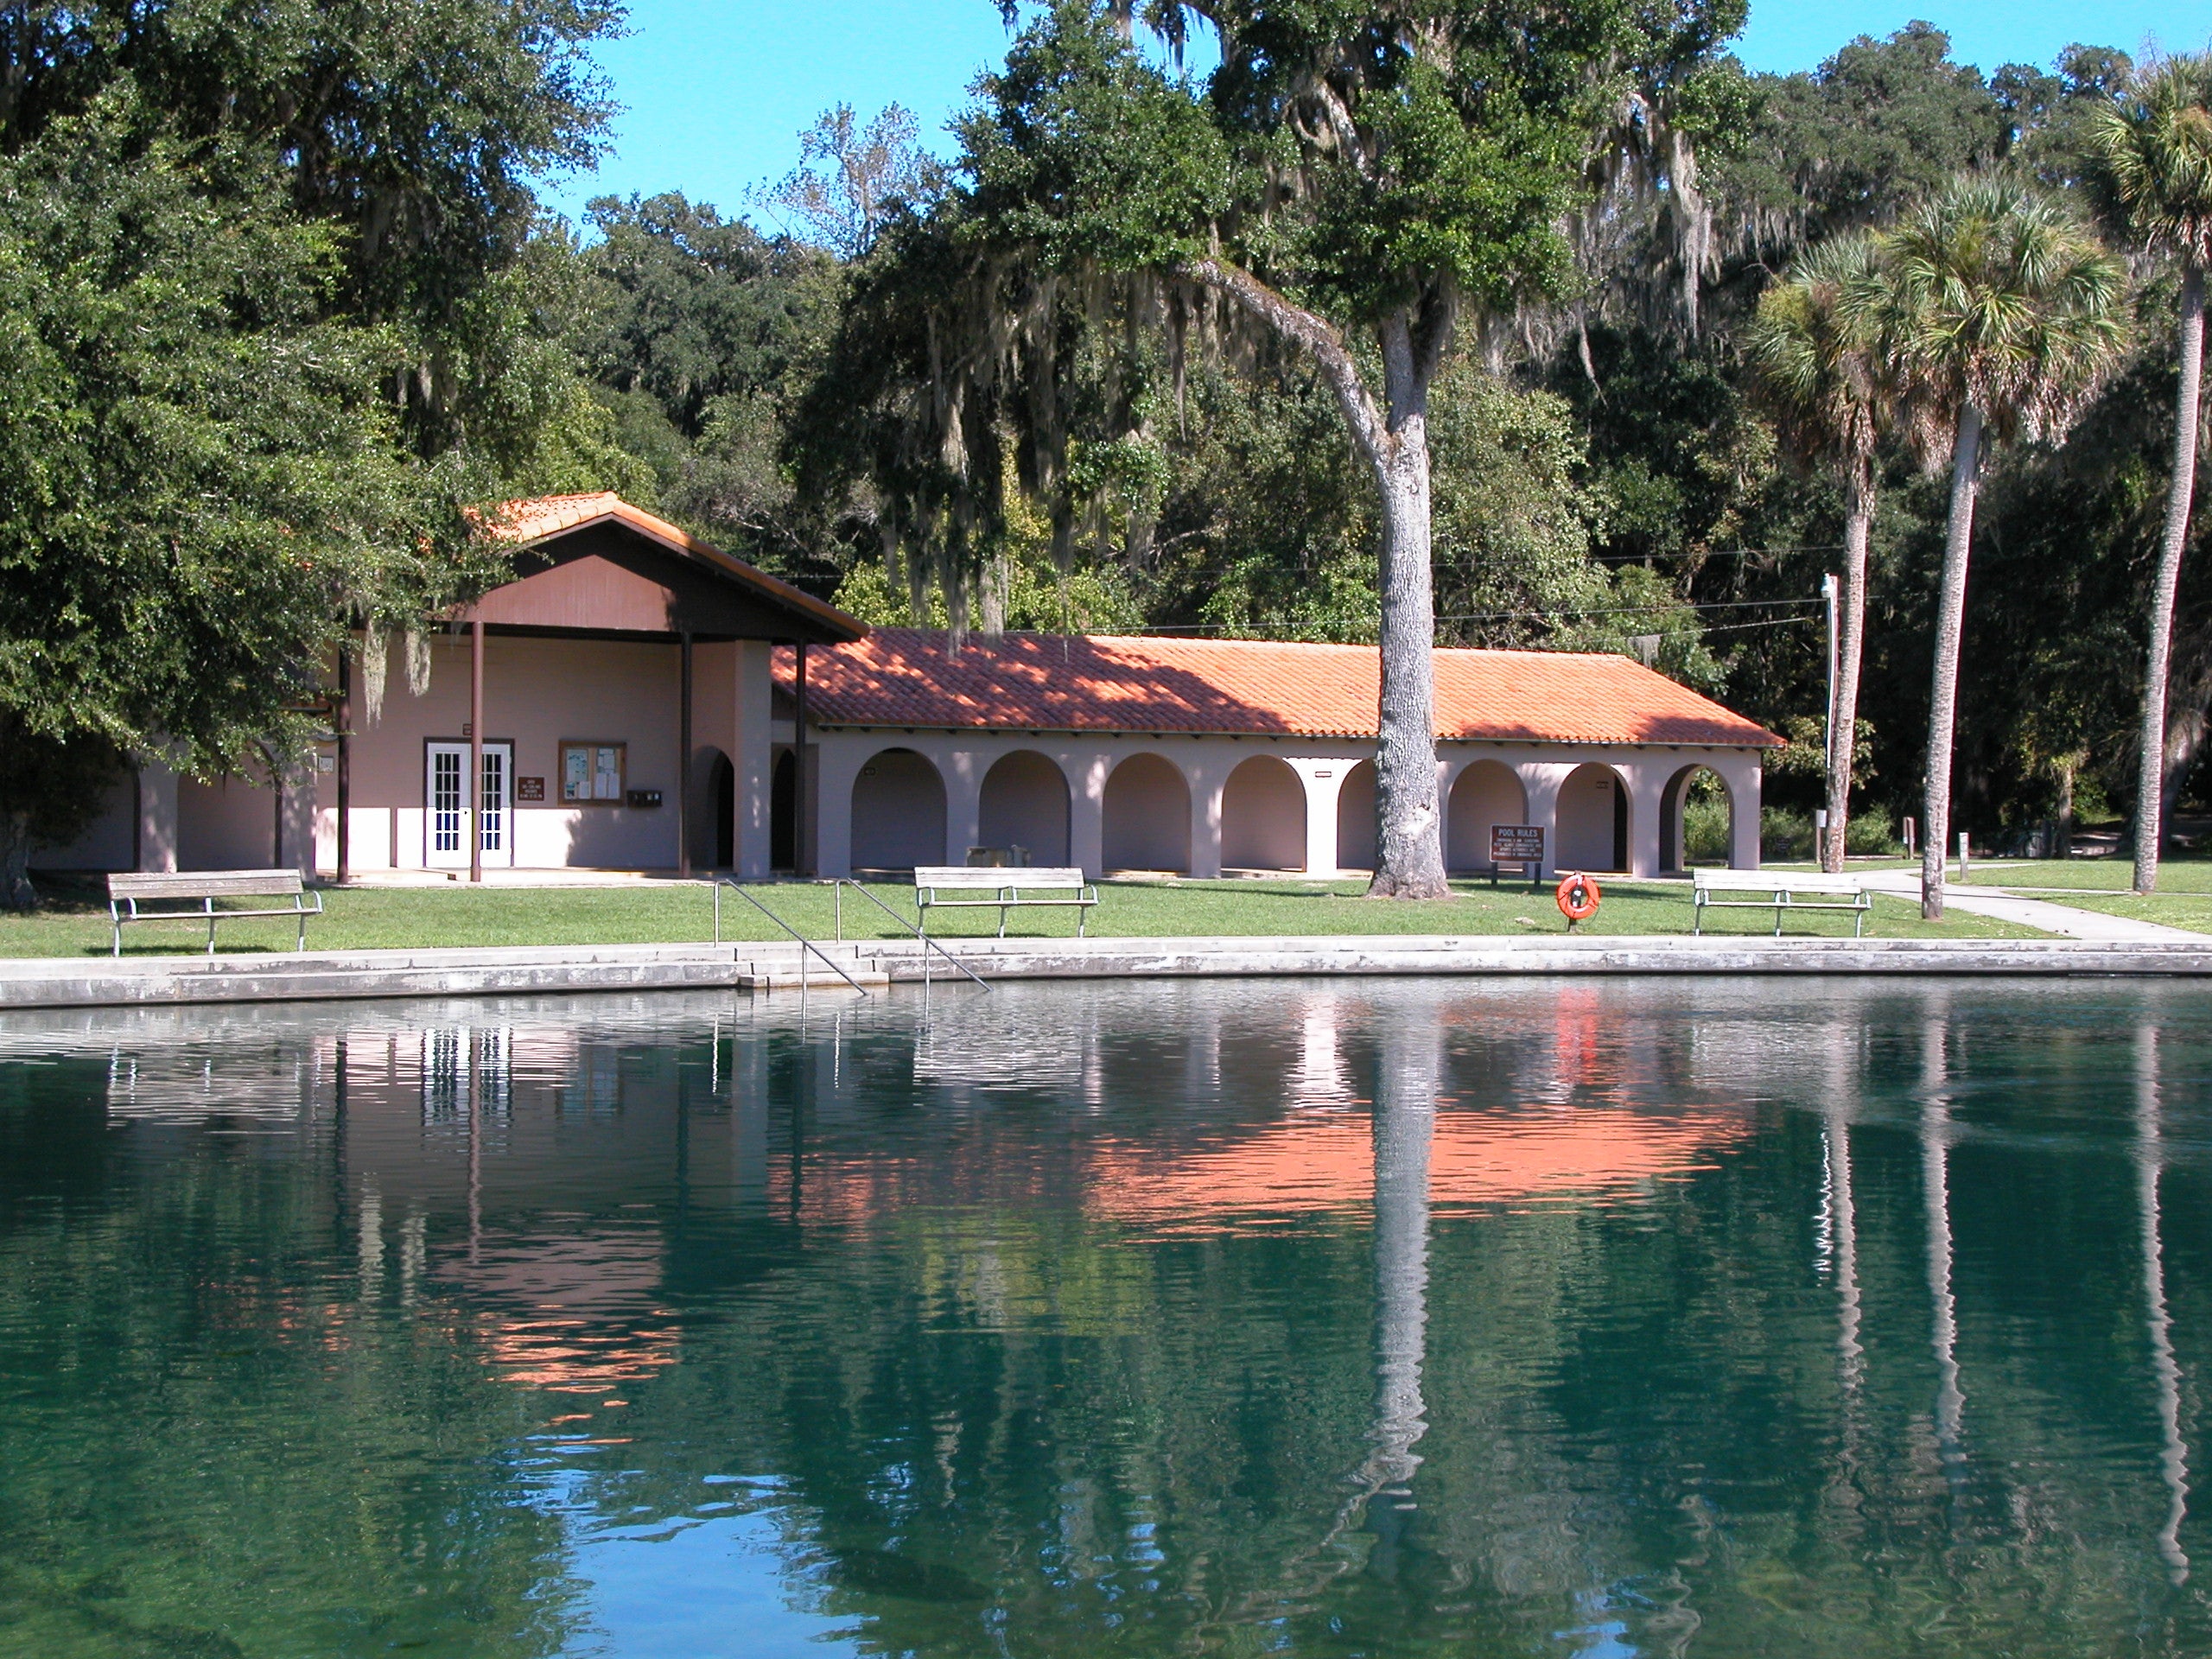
(906, 677)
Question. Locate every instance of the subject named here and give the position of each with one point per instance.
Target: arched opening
(1025, 806)
(1482, 796)
(1356, 841)
(1264, 817)
(897, 812)
(1148, 816)
(783, 813)
(1592, 820)
(1697, 820)
(714, 803)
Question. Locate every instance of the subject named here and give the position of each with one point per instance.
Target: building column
(1645, 856)
(297, 793)
(1744, 780)
(830, 791)
(1205, 778)
(963, 772)
(1086, 776)
(755, 760)
(1324, 781)
(157, 828)
(1540, 785)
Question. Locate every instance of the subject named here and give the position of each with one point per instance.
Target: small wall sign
(530, 788)
(645, 797)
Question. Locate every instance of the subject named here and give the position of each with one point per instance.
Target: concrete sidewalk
(2066, 920)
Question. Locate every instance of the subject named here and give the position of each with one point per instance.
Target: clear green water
(1397, 1318)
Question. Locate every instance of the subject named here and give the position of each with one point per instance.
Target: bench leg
(119, 935)
(1001, 921)
(302, 945)
(210, 903)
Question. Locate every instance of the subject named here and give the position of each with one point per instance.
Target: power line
(1718, 553)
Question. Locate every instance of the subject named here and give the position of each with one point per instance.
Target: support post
(475, 796)
(344, 723)
(803, 854)
(683, 763)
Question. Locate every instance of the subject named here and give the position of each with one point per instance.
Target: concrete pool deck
(32, 983)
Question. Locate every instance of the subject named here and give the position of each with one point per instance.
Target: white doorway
(445, 802)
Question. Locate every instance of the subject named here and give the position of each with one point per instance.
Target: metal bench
(1009, 889)
(1784, 890)
(126, 892)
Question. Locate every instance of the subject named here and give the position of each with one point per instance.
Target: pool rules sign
(1517, 844)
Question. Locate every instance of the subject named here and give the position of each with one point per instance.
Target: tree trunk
(1394, 441)
(1851, 638)
(16, 889)
(1950, 623)
(1409, 829)
(2150, 820)
(2061, 840)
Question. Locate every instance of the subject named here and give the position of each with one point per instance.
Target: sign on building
(1517, 844)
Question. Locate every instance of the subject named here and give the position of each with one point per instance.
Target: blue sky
(715, 91)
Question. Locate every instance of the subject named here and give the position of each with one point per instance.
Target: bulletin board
(593, 773)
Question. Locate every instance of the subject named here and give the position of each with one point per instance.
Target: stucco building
(635, 699)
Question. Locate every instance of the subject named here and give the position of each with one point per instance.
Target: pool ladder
(806, 945)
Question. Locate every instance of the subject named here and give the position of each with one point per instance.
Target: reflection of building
(1327, 1163)
(641, 706)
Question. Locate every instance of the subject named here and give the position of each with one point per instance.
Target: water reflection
(1586, 1317)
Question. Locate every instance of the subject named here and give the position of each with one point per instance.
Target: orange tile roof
(1083, 683)
(542, 516)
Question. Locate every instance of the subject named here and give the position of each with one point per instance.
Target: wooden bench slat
(202, 884)
(966, 876)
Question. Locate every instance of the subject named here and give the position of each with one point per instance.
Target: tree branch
(1337, 113)
(1315, 333)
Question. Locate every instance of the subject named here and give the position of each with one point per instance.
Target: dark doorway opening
(725, 795)
(782, 811)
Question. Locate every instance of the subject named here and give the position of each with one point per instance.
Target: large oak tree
(1351, 182)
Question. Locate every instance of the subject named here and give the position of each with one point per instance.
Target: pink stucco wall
(537, 693)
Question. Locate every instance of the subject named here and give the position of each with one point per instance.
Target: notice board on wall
(592, 772)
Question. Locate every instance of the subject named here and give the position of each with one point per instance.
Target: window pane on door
(494, 837)
(445, 801)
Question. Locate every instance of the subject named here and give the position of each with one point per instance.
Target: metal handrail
(844, 882)
(721, 881)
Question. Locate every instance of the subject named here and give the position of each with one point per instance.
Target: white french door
(447, 801)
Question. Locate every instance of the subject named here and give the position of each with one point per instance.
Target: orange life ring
(1578, 897)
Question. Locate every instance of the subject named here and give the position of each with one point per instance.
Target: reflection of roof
(905, 677)
(1327, 1163)
(543, 518)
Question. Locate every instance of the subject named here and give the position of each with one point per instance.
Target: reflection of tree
(983, 1417)
(2173, 1452)
(1935, 1180)
(226, 1435)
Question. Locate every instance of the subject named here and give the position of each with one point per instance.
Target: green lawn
(74, 922)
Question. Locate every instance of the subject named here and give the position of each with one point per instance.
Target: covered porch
(609, 708)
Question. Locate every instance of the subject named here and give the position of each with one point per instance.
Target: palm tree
(1812, 354)
(1999, 315)
(2153, 147)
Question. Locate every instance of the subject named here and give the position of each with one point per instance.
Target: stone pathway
(2067, 920)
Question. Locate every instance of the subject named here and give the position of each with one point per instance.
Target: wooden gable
(609, 577)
